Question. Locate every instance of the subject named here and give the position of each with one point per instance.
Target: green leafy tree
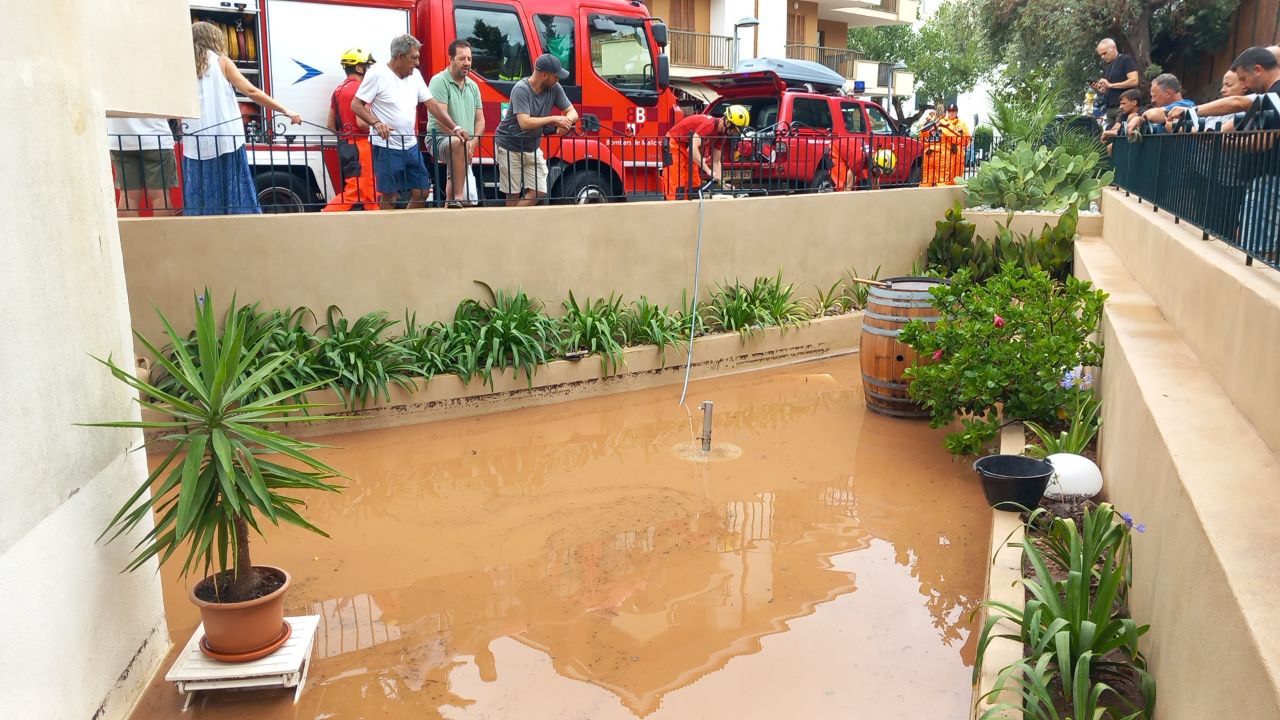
(942, 53)
(1155, 32)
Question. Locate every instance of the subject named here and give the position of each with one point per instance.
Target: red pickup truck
(793, 124)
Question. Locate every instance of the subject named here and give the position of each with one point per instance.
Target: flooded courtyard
(570, 562)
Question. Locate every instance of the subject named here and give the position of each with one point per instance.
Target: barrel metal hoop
(879, 331)
(900, 294)
(898, 318)
(883, 383)
(898, 303)
(882, 396)
(893, 412)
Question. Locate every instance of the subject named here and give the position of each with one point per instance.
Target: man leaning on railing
(522, 169)
(388, 101)
(456, 124)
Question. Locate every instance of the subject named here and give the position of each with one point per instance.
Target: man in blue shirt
(1166, 94)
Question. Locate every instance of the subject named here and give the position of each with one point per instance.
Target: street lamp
(746, 22)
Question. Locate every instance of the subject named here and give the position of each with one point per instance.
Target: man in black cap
(522, 170)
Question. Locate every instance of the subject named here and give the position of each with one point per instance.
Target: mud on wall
(427, 260)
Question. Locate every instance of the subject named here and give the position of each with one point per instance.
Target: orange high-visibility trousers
(932, 166)
(677, 180)
(358, 188)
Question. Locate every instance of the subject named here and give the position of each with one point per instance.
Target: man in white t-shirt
(388, 101)
(142, 163)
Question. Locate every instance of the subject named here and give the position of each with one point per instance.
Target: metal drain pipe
(705, 437)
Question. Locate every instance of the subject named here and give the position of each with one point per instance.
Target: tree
(1018, 32)
(943, 53)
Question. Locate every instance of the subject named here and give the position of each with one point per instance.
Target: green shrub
(777, 302)
(646, 323)
(859, 292)
(767, 302)
(984, 138)
(1074, 624)
(835, 300)
(1082, 423)
(594, 327)
(513, 331)
(362, 360)
(1037, 178)
(1005, 344)
(955, 246)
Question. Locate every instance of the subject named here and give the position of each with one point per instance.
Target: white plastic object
(1073, 475)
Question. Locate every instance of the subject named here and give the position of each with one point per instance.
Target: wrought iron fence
(1225, 183)
(280, 171)
(701, 50)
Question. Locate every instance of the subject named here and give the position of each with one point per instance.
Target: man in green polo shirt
(456, 122)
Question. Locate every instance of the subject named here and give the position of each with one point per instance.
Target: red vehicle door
(884, 134)
(811, 124)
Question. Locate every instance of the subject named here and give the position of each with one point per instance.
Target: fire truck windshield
(620, 54)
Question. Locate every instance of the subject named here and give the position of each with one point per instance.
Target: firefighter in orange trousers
(699, 141)
(355, 156)
(945, 139)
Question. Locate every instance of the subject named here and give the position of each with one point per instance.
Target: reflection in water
(563, 562)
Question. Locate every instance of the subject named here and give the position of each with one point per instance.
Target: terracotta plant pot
(239, 631)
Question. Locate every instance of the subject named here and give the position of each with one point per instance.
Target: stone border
(1089, 225)
(1003, 585)
(446, 397)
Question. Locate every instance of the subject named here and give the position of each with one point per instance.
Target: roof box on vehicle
(770, 75)
(796, 73)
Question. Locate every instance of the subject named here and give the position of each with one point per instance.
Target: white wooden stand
(284, 668)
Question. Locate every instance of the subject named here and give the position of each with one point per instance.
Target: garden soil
(567, 562)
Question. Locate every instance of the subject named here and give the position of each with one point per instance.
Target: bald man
(1120, 74)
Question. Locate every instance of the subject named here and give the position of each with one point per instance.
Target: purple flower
(1128, 521)
(200, 300)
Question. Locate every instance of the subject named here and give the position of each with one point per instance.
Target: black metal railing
(320, 170)
(1225, 183)
(700, 50)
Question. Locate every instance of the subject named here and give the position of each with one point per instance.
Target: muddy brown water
(566, 562)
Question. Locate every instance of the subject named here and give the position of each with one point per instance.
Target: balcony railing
(700, 50)
(839, 59)
(887, 6)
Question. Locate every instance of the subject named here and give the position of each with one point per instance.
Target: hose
(693, 308)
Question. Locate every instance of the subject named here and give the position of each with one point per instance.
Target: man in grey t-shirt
(522, 170)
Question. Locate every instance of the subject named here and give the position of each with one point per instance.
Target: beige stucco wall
(79, 639)
(1228, 313)
(810, 12)
(1179, 455)
(426, 260)
(141, 53)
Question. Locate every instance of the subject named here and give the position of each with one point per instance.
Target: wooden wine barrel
(883, 356)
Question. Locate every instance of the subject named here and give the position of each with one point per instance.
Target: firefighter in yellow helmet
(697, 145)
(355, 156)
(946, 137)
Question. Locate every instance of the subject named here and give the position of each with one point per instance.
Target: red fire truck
(619, 81)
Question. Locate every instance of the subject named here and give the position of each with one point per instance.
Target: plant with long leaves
(595, 327)
(733, 309)
(214, 485)
(1032, 681)
(859, 292)
(1081, 429)
(644, 322)
(834, 300)
(270, 333)
(1080, 614)
(775, 302)
(692, 322)
(363, 361)
(515, 332)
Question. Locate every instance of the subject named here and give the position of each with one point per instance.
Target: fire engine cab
(613, 50)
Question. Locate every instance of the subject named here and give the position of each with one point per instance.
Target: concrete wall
(1027, 223)
(1229, 314)
(1181, 453)
(427, 260)
(79, 639)
(151, 78)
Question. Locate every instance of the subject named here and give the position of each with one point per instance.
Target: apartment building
(703, 37)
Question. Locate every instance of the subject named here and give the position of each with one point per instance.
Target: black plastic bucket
(1009, 481)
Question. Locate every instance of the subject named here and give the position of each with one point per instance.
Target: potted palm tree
(220, 477)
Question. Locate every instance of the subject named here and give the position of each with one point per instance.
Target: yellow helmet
(737, 115)
(885, 160)
(356, 56)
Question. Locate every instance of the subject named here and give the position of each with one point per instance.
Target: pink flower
(937, 355)
(999, 321)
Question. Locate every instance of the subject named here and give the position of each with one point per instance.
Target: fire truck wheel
(583, 187)
(281, 192)
(917, 173)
